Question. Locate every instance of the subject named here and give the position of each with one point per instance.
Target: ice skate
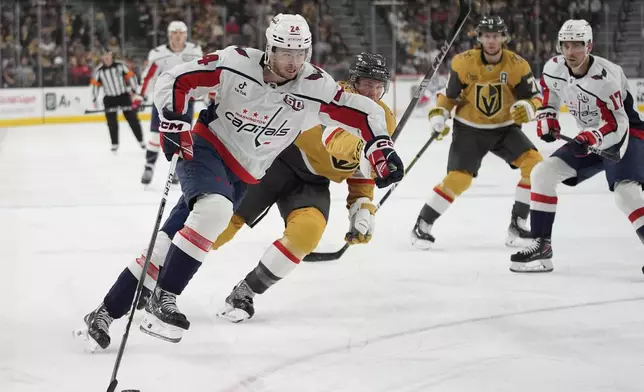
(144, 298)
(518, 233)
(148, 174)
(535, 258)
(96, 330)
(162, 318)
(239, 304)
(420, 236)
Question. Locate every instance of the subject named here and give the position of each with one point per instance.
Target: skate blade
(517, 242)
(233, 315)
(152, 326)
(90, 346)
(421, 244)
(535, 266)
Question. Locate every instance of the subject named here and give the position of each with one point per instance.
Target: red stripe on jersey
(202, 130)
(635, 215)
(546, 92)
(608, 117)
(196, 239)
(328, 139)
(286, 252)
(443, 195)
(349, 116)
(188, 81)
(543, 198)
(524, 186)
(153, 270)
(147, 78)
(638, 133)
(360, 181)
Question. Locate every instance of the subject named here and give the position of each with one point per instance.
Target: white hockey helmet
(178, 26)
(288, 31)
(575, 30)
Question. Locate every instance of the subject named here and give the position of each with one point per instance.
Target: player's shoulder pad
(233, 56)
(315, 83)
(461, 60)
(555, 68)
(390, 118)
(603, 78)
(516, 60)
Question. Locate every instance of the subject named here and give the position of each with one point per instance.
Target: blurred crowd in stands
(67, 44)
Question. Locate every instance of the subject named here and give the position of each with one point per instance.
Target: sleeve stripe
(190, 80)
(148, 77)
(608, 117)
(349, 116)
(546, 92)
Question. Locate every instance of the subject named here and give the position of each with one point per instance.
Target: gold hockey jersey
(339, 157)
(483, 93)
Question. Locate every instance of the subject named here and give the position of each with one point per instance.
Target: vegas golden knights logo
(489, 98)
(342, 165)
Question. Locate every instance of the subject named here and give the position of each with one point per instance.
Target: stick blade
(112, 386)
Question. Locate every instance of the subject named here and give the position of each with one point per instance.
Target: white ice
(383, 318)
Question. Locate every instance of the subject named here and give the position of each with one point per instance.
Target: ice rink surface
(383, 318)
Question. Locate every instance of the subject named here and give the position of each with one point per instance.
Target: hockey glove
(584, 141)
(176, 137)
(522, 111)
(548, 128)
(361, 222)
(437, 117)
(137, 100)
(387, 165)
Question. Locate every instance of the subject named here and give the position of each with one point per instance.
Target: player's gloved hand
(437, 117)
(362, 221)
(176, 137)
(137, 100)
(583, 141)
(548, 128)
(386, 164)
(209, 98)
(522, 111)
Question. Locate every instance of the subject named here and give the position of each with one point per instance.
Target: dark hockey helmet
(370, 66)
(492, 24)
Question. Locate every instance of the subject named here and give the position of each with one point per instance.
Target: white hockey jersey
(161, 59)
(599, 100)
(252, 122)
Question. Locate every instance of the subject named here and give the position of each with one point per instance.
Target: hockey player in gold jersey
(493, 92)
(298, 182)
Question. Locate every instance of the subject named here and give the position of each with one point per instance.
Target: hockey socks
(275, 264)
(542, 215)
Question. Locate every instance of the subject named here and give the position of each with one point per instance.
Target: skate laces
(534, 246)
(102, 319)
(242, 291)
(168, 302)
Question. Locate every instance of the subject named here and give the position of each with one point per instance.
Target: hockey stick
(322, 256)
(465, 7)
(116, 109)
(601, 153)
(139, 286)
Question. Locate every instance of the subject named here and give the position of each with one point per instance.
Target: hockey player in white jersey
(596, 92)
(263, 100)
(162, 58)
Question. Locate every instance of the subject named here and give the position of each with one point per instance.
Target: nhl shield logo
(489, 98)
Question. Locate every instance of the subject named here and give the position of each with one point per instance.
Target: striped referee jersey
(115, 80)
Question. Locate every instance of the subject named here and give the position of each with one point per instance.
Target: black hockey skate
(97, 329)
(148, 173)
(420, 237)
(518, 232)
(239, 304)
(535, 258)
(162, 318)
(144, 298)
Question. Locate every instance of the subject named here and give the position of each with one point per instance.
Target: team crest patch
(489, 98)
